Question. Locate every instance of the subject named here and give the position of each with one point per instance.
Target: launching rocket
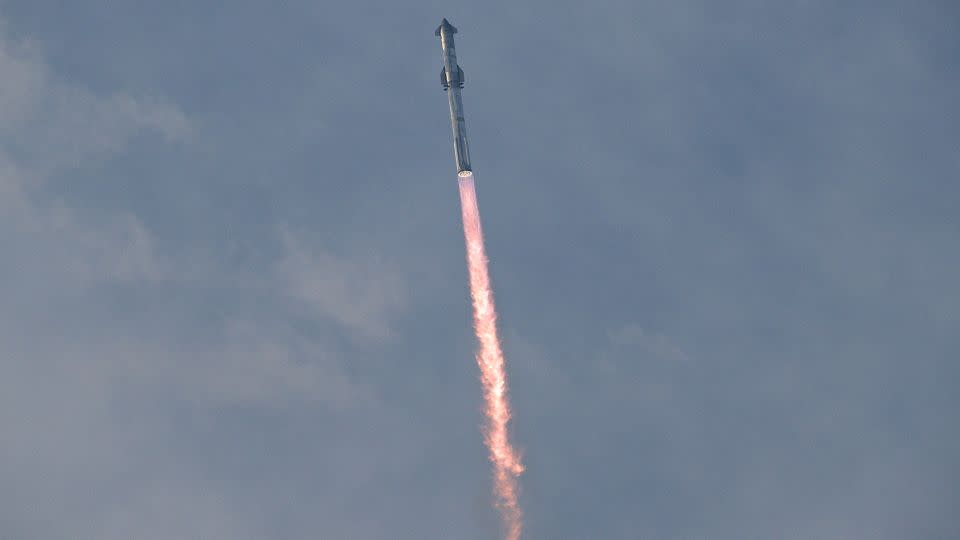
(451, 76)
(506, 461)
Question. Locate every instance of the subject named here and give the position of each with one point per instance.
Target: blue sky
(722, 238)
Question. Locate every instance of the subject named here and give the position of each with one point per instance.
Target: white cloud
(360, 295)
(81, 433)
(263, 364)
(47, 125)
(650, 344)
(56, 251)
(54, 125)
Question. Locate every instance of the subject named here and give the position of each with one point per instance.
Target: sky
(723, 240)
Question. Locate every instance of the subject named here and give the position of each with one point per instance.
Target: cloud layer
(722, 242)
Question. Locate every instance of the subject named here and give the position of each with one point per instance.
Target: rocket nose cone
(445, 25)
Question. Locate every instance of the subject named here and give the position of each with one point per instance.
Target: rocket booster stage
(451, 76)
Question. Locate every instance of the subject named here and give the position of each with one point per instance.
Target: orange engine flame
(507, 466)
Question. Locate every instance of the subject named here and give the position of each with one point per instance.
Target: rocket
(451, 76)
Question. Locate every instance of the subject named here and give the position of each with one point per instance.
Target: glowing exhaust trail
(506, 461)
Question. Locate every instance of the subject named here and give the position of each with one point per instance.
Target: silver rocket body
(451, 76)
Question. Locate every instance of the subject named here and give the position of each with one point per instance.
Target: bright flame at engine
(507, 466)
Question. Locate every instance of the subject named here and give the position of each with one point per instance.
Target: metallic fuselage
(452, 79)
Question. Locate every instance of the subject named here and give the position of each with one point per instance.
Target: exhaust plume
(507, 466)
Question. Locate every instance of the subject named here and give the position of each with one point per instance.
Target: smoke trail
(506, 461)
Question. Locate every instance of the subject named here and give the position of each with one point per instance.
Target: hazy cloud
(722, 240)
(361, 295)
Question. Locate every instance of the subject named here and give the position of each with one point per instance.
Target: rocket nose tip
(446, 24)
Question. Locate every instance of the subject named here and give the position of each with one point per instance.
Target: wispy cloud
(94, 360)
(361, 295)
